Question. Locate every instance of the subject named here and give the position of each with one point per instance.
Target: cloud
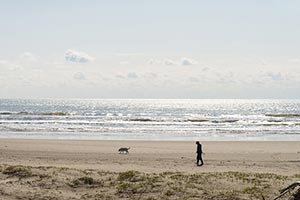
(128, 54)
(132, 75)
(154, 62)
(77, 56)
(15, 67)
(264, 62)
(10, 66)
(166, 61)
(276, 76)
(205, 69)
(294, 60)
(28, 56)
(193, 79)
(79, 76)
(169, 62)
(120, 76)
(124, 62)
(187, 61)
(4, 62)
(150, 75)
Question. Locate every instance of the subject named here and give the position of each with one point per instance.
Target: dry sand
(154, 156)
(79, 169)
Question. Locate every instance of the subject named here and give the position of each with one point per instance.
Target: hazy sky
(150, 49)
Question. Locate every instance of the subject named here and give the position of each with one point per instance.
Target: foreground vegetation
(26, 182)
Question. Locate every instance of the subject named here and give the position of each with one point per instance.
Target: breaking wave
(283, 115)
(34, 113)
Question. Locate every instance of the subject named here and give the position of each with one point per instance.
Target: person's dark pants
(199, 158)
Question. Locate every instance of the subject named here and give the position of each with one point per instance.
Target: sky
(150, 49)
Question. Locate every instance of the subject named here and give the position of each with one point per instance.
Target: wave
(197, 120)
(225, 121)
(188, 120)
(167, 120)
(274, 120)
(275, 124)
(142, 120)
(282, 115)
(58, 113)
(52, 129)
(12, 113)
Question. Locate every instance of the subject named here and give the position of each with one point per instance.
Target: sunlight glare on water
(149, 119)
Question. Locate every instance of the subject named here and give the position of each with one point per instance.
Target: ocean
(151, 119)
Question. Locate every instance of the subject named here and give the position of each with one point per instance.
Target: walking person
(199, 154)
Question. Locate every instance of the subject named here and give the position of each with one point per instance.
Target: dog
(124, 150)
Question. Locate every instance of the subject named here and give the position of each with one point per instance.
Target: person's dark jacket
(199, 148)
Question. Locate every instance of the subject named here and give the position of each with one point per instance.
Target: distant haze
(149, 49)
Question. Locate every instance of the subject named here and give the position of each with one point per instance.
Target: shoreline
(83, 136)
(142, 140)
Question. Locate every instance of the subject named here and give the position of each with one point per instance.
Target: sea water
(151, 119)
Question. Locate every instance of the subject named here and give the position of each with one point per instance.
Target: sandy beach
(148, 158)
(154, 156)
